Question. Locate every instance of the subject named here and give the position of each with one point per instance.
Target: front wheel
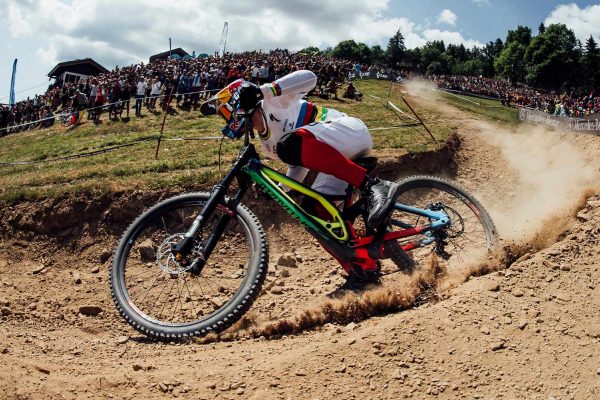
(166, 300)
(468, 240)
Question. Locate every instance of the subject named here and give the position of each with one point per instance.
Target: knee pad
(289, 149)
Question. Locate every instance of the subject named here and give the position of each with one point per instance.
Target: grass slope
(489, 109)
(180, 163)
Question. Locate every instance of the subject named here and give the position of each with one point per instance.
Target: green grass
(491, 110)
(185, 164)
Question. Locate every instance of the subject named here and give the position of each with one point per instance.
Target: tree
(431, 53)
(458, 52)
(396, 49)
(347, 49)
(435, 68)
(364, 53)
(474, 67)
(378, 55)
(509, 63)
(541, 28)
(498, 46)
(552, 59)
(591, 60)
(310, 50)
(413, 59)
(487, 56)
(520, 35)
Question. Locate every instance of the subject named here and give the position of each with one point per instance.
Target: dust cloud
(537, 178)
(550, 174)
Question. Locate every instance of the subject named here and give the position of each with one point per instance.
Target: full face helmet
(226, 103)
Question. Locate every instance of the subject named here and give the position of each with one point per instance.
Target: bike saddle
(368, 163)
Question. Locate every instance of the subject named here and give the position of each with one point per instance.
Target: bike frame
(336, 235)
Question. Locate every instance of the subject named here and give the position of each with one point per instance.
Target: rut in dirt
(428, 285)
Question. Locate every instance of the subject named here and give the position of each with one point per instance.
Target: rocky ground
(528, 331)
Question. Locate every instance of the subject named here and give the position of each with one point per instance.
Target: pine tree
(541, 28)
(592, 62)
(591, 48)
(396, 49)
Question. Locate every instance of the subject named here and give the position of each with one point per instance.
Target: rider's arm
(291, 86)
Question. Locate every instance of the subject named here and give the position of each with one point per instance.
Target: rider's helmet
(235, 103)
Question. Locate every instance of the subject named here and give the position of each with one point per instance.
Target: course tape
(452, 93)
(102, 151)
(121, 146)
(402, 112)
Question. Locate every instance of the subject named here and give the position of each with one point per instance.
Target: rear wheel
(166, 300)
(470, 237)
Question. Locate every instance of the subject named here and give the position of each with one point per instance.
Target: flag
(11, 100)
(169, 47)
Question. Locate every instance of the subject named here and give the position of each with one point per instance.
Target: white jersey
(284, 111)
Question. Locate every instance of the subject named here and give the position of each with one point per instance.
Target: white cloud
(482, 3)
(450, 38)
(583, 21)
(447, 17)
(126, 32)
(47, 56)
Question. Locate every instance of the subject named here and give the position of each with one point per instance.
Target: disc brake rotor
(166, 261)
(458, 224)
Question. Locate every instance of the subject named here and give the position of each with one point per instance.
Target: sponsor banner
(371, 75)
(589, 124)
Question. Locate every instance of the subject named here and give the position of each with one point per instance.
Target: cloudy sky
(42, 33)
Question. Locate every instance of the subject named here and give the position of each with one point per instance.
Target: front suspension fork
(217, 198)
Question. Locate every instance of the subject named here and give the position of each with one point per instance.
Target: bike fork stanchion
(217, 196)
(211, 242)
(181, 249)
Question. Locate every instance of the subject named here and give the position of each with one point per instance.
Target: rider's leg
(302, 148)
(305, 148)
(328, 147)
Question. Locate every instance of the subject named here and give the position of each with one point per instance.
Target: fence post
(419, 118)
(162, 128)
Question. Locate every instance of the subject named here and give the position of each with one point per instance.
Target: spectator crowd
(183, 83)
(571, 104)
(171, 82)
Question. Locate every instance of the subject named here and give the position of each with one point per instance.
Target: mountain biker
(310, 137)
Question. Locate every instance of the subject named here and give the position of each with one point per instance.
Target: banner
(11, 100)
(590, 124)
(372, 75)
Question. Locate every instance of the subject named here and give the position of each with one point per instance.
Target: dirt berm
(528, 329)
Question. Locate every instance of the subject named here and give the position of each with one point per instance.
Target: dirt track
(530, 331)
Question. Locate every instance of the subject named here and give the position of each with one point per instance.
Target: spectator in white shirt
(139, 96)
(154, 93)
(254, 74)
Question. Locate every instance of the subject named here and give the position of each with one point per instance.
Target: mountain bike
(193, 264)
